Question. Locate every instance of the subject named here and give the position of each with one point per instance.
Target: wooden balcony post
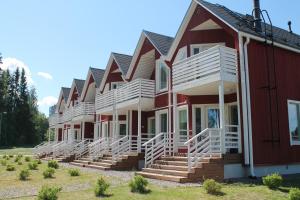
(139, 118)
(83, 130)
(175, 139)
(222, 116)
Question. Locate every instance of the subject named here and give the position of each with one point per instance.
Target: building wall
(271, 141)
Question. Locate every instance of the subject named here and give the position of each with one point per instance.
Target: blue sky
(63, 38)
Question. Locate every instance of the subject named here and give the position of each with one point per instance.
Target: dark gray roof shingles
(244, 23)
(123, 61)
(161, 42)
(66, 93)
(79, 85)
(98, 75)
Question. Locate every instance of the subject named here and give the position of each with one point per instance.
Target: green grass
(16, 150)
(120, 190)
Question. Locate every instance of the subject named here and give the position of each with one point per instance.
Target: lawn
(82, 187)
(16, 150)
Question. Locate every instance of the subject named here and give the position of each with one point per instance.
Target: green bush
(48, 193)
(20, 163)
(212, 187)
(10, 168)
(11, 156)
(3, 162)
(53, 164)
(27, 159)
(74, 172)
(101, 187)
(138, 184)
(49, 172)
(5, 156)
(17, 159)
(39, 161)
(24, 174)
(19, 156)
(294, 194)
(273, 181)
(33, 165)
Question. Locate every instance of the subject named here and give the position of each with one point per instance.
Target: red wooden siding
(91, 80)
(113, 77)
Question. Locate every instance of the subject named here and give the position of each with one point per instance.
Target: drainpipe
(249, 107)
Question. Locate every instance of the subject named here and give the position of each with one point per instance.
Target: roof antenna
(290, 26)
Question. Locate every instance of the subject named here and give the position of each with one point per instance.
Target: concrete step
(170, 167)
(77, 164)
(102, 164)
(167, 162)
(98, 167)
(166, 172)
(82, 161)
(174, 158)
(178, 179)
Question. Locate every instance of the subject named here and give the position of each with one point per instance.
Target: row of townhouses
(219, 100)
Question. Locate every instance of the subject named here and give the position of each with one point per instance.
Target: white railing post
(176, 134)
(189, 156)
(222, 115)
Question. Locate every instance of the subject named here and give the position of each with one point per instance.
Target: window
(198, 48)
(116, 85)
(162, 76)
(151, 126)
(183, 129)
(198, 122)
(213, 118)
(294, 121)
(161, 121)
(122, 129)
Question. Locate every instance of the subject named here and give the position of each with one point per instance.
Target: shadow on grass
(105, 196)
(147, 191)
(218, 194)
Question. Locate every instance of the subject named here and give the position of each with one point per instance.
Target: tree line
(21, 122)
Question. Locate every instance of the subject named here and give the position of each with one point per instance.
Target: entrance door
(197, 120)
(151, 127)
(213, 118)
(163, 123)
(122, 129)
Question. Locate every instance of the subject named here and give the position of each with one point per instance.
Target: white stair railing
(98, 148)
(204, 144)
(70, 148)
(156, 147)
(120, 147)
(58, 149)
(39, 148)
(232, 138)
(81, 148)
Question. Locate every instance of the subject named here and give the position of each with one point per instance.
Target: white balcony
(201, 74)
(55, 119)
(84, 110)
(127, 97)
(68, 114)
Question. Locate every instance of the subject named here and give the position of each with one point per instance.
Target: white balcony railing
(68, 114)
(84, 108)
(218, 60)
(139, 88)
(55, 119)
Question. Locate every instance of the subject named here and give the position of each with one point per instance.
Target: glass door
(197, 121)
(122, 129)
(151, 127)
(183, 125)
(105, 129)
(213, 118)
(163, 119)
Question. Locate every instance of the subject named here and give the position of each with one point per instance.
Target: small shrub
(19, 156)
(53, 164)
(10, 168)
(212, 187)
(138, 184)
(48, 193)
(17, 159)
(27, 159)
(294, 194)
(20, 163)
(11, 156)
(5, 156)
(24, 174)
(39, 161)
(49, 172)
(273, 181)
(3, 162)
(74, 172)
(33, 165)
(101, 187)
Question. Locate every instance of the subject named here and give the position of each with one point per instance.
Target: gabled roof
(63, 94)
(245, 24)
(123, 61)
(239, 23)
(66, 93)
(161, 43)
(79, 85)
(97, 75)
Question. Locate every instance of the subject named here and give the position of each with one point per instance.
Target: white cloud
(12, 64)
(45, 75)
(48, 101)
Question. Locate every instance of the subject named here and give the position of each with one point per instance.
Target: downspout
(249, 107)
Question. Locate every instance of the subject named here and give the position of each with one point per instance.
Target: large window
(183, 125)
(294, 121)
(162, 76)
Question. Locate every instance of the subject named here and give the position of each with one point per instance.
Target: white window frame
(117, 83)
(148, 126)
(193, 46)
(180, 108)
(157, 120)
(292, 143)
(157, 75)
(122, 122)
